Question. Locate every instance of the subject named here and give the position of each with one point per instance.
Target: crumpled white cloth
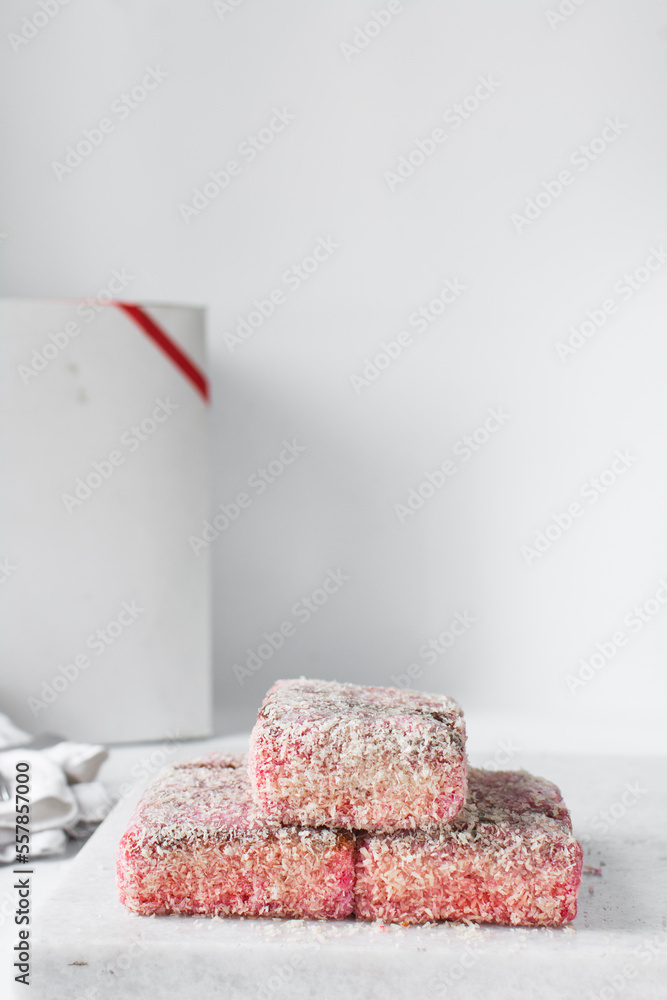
(64, 797)
(79, 761)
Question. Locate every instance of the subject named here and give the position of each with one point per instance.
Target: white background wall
(228, 66)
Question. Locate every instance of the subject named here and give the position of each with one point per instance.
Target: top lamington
(373, 758)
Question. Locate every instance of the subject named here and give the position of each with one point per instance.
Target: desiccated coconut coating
(508, 857)
(196, 844)
(371, 758)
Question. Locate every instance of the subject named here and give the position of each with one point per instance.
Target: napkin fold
(65, 799)
(79, 761)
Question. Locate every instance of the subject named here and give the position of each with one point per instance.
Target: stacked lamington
(352, 801)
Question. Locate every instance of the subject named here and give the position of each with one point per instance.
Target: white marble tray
(88, 946)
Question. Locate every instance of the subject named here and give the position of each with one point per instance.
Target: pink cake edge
(140, 857)
(387, 913)
(564, 891)
(547, 795)
(277, 810)
(340, 863)
(425, 811)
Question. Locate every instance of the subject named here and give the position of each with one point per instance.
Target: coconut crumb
(508, 857)
(355, 757)
(198, 845)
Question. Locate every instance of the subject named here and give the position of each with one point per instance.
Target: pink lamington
(371, 758)
(196, 844)
(509, 857)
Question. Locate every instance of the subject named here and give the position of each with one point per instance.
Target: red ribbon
(164, 342)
